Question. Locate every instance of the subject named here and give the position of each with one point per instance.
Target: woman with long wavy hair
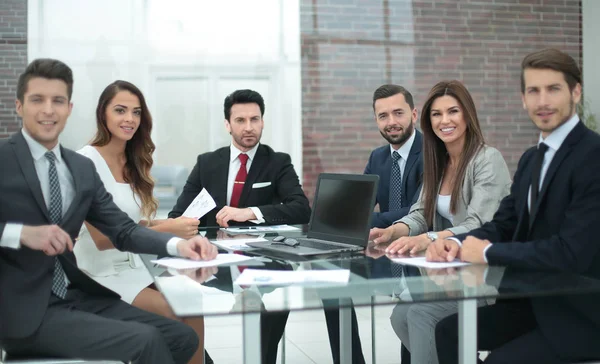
(122, 153)
(463, 182)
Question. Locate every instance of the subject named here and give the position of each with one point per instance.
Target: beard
(400, 139)
(549, 129)
(249, 144)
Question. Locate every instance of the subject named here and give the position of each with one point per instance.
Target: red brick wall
(13, 60)
(350, 47)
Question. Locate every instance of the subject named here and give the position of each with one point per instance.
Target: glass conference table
(211, 291)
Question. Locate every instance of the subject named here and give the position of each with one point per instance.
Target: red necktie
(238, 184)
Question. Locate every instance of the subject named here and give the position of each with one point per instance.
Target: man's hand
(408, 245)
(197, 248)
(472, 250)
(50, 239)
(381, 236)
(199, 275)
(443, 250)
(229, 213)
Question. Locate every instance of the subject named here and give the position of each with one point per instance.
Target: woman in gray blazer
(463, 183)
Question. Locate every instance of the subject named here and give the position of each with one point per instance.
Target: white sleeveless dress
(121, 272)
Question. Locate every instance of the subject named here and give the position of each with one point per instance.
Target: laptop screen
(342, 208)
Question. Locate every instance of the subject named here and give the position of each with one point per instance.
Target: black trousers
(508, 329)
(105, 328)
(272, 327)
(332, 318)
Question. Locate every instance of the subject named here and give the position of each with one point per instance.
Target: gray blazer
(26, 274)
(487, 182)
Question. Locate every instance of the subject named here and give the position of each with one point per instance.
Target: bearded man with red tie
(249, 181)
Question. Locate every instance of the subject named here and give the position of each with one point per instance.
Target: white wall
(186, 56)
(591, 54)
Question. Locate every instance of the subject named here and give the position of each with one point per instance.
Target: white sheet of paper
(202, 204)
(261, 229)
(236, 244)
(264, 277)
(422, 262)
(183, 263)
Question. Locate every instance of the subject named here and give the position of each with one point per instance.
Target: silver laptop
(340, 219)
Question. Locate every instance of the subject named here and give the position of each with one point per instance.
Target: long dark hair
(434, 152)
(138, 150)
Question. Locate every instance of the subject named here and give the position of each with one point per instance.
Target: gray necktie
(59, 283)
(395, 197)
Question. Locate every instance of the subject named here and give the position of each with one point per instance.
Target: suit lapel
(413, 156)
(66, 156)
(219, 194)
(385, 175)
(260, 159)
(28, 168)
(557, 160)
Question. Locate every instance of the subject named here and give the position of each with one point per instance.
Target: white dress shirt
(11, 237)
(553, 141)
(234, 167)
(404, 151)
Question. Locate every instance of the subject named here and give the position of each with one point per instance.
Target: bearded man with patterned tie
(48, 307)
(399, 164)
(247, 180)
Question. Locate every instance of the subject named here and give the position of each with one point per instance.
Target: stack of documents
(236, 244)
(260, 229)
(183, 263)
(422, 262)
(264, 277)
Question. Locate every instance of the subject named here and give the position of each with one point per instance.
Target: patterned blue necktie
(395, 198)
(59, 283)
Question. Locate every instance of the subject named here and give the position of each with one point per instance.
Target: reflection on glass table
(212, 291)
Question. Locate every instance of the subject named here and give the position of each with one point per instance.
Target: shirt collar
(38, 150)
(404, 150)
(234, 152)
(558, 136)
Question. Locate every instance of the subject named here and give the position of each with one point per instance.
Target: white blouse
(443, 207)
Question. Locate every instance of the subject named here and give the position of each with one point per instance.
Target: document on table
(202, 204)
(260, 229)
(264, 277)
(236, 244)
(422, 262)
(183, 263)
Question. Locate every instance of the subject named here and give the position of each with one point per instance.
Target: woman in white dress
(122, 153)
(464, 181)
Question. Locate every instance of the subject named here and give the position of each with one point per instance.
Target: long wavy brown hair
(138, 150)
(435, 154)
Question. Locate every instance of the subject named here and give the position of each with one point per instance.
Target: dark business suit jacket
(282, 202)
(25, 274)
(563, 236)
(380, 163)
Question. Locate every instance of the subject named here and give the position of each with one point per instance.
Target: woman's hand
(409, 245)
(183, 227)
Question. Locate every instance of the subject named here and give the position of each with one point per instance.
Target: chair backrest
(6, 359)
(169, 182)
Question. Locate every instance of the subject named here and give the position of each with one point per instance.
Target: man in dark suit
(49, 307)
(249, 181)
(548, 222)
(399, 182)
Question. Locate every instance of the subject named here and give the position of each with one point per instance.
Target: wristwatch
(432, 236)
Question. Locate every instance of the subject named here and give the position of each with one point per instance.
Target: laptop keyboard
(319, 245)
